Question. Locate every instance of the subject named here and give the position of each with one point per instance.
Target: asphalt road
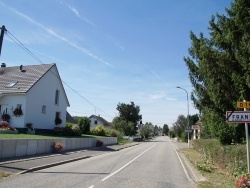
(154, 164)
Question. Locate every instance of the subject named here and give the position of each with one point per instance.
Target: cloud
(62, 38)
(154, 73)
(76, 12)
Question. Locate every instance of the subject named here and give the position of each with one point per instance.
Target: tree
(219, 69)
(146, 130)
(130, 114)
(180, 125)
(156, 129)
(165, 129)
(84, 124)
(127, 128)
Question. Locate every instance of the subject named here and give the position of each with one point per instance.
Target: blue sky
(112, 51)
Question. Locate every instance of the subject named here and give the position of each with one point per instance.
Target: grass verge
(216, 178)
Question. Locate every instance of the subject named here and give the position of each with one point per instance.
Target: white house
(38, 91)
(197, 129)
(98, 120)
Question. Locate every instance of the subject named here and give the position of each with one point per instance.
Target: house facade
(197, 130)
(37, 91)
(98, 120)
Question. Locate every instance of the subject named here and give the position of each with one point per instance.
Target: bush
(69, 130)
(99, 131)
(231, 158)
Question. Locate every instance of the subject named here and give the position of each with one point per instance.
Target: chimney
(3, 65)
(21, 67)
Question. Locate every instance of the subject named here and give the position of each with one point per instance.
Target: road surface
(154, 164)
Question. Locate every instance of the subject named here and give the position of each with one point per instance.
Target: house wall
(10, 102)
(93, 124)
(43, 94)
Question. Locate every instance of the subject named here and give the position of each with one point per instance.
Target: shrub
(243, 181)
(231, 158)
(99, 131)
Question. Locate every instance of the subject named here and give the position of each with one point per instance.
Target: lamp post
(187, 112)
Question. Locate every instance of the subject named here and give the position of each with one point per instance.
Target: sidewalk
(29, 164)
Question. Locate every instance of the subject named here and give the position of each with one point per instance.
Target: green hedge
(232, 158)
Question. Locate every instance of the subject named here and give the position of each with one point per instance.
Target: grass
(216, 178)
(3, 174)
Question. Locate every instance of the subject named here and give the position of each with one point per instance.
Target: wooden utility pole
(1, 37)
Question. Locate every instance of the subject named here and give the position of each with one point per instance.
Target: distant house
(69, 118)
(197, 129)
(33, 94)
(98, 120)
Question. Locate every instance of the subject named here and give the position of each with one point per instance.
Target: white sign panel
(238, 116)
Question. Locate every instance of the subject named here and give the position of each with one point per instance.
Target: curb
(67, 161)
(52, 164)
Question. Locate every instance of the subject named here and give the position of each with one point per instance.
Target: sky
(113, 51)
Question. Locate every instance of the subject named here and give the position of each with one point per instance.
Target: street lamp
(187, 113)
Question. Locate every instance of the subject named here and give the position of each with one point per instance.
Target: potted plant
(18, 111)
(58, 121)
(99, 143)
(6, 117)
(57, 147)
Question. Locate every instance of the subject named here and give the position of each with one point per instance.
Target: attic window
(12, 84)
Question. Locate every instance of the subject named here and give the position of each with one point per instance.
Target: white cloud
(62, 38)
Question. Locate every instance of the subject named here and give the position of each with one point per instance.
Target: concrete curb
(70, 160)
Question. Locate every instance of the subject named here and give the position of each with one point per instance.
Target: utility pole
(1, 37)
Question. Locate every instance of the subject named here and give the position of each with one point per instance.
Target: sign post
(241, 117)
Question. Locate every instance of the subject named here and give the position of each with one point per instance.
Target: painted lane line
(127, 164)
(184, 169)
(92, 186)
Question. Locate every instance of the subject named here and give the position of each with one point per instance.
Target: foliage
(165, 129)
(231, 158)
(205, 166)
(127, 128)
(180, 125)
(5, 117)
(130, 114)
(243, 181)
(69, 130)
(57, 146)
(217, 67)
(84, 124)
(184, 137)
(18, 111)
(58, 121)
(146, 130)
(156, 129)
(98, 130)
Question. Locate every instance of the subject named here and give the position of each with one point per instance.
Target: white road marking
(92, 186)
(184, 169)
(126, 164)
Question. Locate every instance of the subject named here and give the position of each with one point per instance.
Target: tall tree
(84, 124)
(165, 129)
(219, 69)
(129, 113)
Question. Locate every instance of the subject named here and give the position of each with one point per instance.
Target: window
(44, 109)
(58, 114)
(95, 122)
(12, 84)
(57, 97)
(58, 118)
(19, 106)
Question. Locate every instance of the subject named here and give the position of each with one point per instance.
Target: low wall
(24, 147)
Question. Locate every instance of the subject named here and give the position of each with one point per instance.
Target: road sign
(243, 104)
(238, 116)
(188, 130)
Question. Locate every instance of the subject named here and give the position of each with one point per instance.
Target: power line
(20, 44)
